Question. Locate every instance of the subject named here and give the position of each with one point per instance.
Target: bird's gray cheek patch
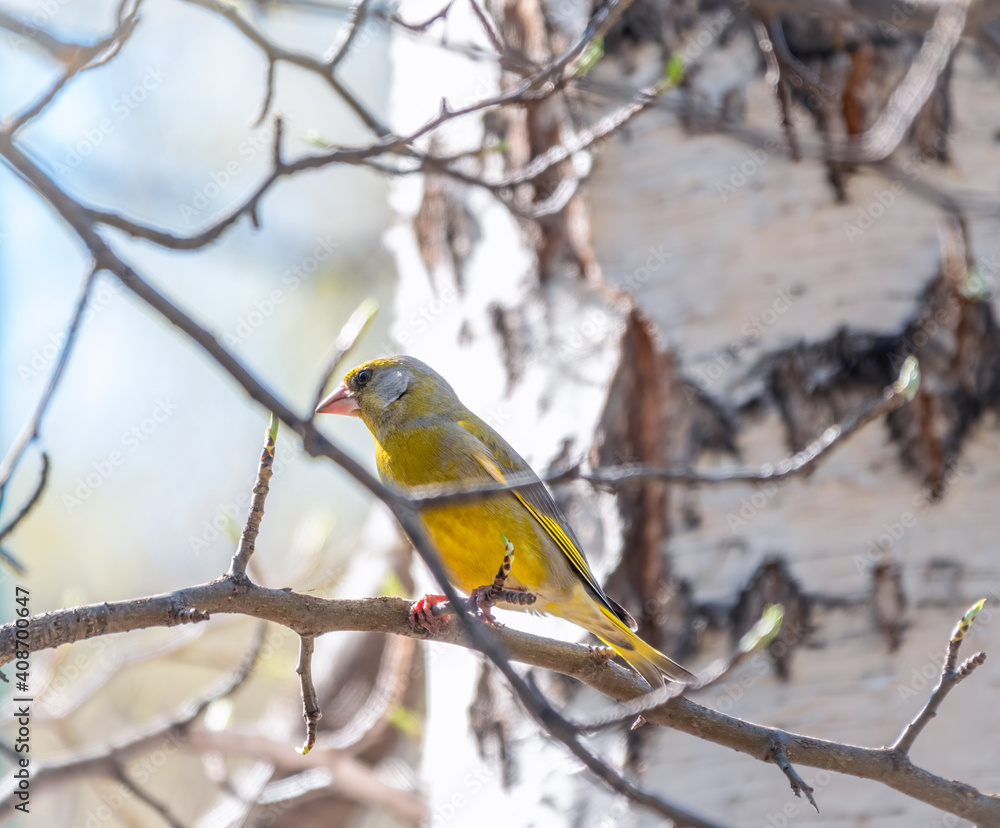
(395, 386)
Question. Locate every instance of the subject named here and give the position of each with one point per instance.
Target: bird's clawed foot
(481, 599)
(422, 614)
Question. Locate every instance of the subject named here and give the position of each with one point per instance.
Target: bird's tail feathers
(644, 658)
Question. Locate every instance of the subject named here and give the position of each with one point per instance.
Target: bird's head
(394, 392)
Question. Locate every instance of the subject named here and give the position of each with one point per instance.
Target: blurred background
(708, 279)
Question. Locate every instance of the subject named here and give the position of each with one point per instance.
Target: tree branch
(310, 704)
(30, 504)
(893, 396)
(349, 334)
(951, 674)
(306, 614)
(107, 761)
(238, 566)
(31, 428)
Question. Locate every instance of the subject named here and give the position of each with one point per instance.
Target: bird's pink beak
(341, 401)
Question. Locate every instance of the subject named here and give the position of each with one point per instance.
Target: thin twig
(774, 79)
(265, 105)
(913, 91)
(31, 428)
(354, 327)
(85, 58)
(248, 538)
(106, 760)
(355, 19)
(420, 28)
(892, 398)
(491, 33)
(780, 758)
(36, 495)
(276, 53)
(951, 674)
(142, 794)
(755, 639)
(347, 777)
(310, 703)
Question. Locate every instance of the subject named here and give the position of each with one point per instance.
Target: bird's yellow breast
(469, 535)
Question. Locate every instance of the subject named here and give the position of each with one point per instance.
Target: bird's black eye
(363, 377)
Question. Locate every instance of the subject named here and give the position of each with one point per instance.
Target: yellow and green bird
(425, 436)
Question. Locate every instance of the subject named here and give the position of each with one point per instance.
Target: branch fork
(777, 754)
(951, 674)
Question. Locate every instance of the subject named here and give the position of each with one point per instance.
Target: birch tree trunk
(705, 302)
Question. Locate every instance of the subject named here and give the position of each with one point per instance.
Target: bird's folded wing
(505, 465)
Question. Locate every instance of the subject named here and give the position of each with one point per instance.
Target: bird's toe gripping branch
(481, 599)
(422, 613)
(429, 612)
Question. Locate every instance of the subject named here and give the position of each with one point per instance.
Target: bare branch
(309, 615)
(799, 786)
(355, 19)
(276, 53)
(83, 58)
(879, 142)
(777, 83)
(491, 33)
(353, 328)
(892, 398)
(63, 51)
(238, 566)
(419, 28)
(348, 777)
(951, 674)
(106, 761)
(141, 793)
(756, 638)
(265, 105)
(310, 704)
(31, 428)
(27, 507)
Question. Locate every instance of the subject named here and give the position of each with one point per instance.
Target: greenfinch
(424, 436)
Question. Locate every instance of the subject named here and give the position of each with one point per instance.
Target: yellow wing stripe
(552, 527)
(565, 544)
